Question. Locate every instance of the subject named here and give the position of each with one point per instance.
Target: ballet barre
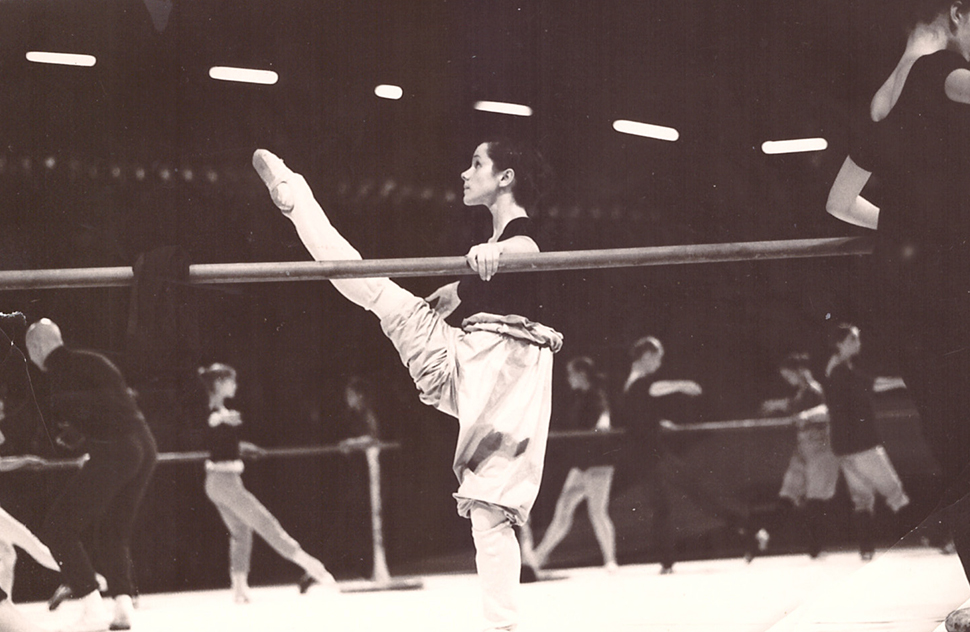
(267, 272)
(381, 577)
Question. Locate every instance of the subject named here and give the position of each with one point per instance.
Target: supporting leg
(498, 562)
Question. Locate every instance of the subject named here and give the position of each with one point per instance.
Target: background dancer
(591, 476)
(653, 463)
(862, 458)
(477, 354)
(88, 392)
(240, 510)
(813, 471)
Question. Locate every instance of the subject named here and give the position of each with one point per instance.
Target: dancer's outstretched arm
(14, 532)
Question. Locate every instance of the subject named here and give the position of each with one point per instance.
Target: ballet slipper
(315, 569)
(124, 612)
(94, 617)
(275, 175)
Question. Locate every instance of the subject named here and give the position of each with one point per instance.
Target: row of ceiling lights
(393, 92)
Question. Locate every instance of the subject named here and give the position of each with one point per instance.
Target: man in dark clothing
(641, 413)
(864, 462)
(88, 392)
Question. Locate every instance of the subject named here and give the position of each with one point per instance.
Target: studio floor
(901, 590)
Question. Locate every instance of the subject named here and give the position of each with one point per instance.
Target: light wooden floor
(902, 590)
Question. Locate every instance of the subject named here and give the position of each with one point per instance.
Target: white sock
(499, 562)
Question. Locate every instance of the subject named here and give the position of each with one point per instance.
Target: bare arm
(845, 201)
(667, 387)
(883, 384)
(958, 86)
(484, 258)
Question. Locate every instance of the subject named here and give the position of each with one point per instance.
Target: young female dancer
(240, 510)
(477, 354)
(813, 470)
(591, 477)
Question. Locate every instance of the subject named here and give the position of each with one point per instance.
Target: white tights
(498, 561)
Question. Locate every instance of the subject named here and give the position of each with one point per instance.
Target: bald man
(88, 392)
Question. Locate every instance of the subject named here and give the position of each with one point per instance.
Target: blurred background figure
(240, 510)
(360, 428)
(89, 393)
(591, 475)
(855, 440)
(813, 471)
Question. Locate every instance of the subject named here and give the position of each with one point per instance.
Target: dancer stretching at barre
(591, 475)
(473, 350)
(813, 470)
(240, 510)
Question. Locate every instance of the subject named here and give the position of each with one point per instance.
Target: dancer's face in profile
(851, 345)
(481, 181)
(577, 380)
(353, 398)
(226, 387)
(649, 363)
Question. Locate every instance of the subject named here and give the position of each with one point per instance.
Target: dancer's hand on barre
(666, 424)
(483, 258)
(348, 445)
(251, 450)
(444, 300)
(815, 415)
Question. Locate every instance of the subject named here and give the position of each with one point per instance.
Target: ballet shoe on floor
(63, 592)
(124, 611)
(91, 620)
(305, 582)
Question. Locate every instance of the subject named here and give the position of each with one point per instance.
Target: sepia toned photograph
(485, 315)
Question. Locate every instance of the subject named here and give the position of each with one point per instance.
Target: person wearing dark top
(813, 470)
(240, 510)
(360, 438)
(640, 412)
(88, 392)
(855, 440)
(917, 144)
(591, 476)
(492, 371)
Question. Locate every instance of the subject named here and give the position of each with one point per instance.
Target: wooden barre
(201, 455)
(222, 273)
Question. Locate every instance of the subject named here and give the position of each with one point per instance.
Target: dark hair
(925, 11)
(796, 362)
(211, 374)
(528, 165)
(839, 333)
(647, 344)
